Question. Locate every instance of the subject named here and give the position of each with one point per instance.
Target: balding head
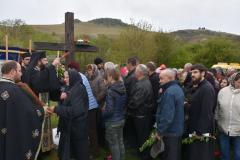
(167, 75)
(11, 70)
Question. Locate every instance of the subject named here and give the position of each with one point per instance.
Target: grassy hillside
(94, 28)
(82, 28)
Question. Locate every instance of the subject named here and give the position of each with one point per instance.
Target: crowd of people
(118, 107)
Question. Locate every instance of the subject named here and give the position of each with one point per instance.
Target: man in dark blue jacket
(170, 115)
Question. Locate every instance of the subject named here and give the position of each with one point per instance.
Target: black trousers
(142, 133)
(79, 149)
(201, 150)
(129, 133)
(92, 132)
(172, 148)
(100, 130)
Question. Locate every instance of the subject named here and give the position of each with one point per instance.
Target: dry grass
(80, 29)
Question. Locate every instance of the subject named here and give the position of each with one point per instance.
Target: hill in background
(113, 27)
(93, 28)
(109, 22)
(202, 34)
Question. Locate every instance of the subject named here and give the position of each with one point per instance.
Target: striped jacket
(92, 100)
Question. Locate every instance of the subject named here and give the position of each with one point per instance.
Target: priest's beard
(196, 80)
(42, 66)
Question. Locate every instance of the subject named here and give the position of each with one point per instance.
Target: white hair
(109, 66)
(143, 69)
(187, 65)
(169, 72)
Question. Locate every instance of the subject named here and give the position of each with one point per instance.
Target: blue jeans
(225, 146)
(114, 137)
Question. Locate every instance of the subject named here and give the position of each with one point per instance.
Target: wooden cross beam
(78, 47)
(69, 44)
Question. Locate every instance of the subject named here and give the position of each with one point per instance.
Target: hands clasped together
(49, 110)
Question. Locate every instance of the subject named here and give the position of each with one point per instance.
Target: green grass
(103, 153)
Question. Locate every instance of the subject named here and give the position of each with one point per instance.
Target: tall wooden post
(6, 46)
(30, 46)
(69, 35)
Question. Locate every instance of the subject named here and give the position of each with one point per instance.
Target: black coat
(141, 101)
(23, 69)
(20, 123)
(43, 80)
(201, 115)
(201, 120)
(154, 79)
(73, 118)
(129, 82)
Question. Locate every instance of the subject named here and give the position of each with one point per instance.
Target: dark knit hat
(98, 61)
(24, 55)
(39, 55)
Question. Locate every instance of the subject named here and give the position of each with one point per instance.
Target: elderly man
(140, 105)
(21, 116)
(170, 115)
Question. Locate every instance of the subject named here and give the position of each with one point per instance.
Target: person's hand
(158, 137)
(50, 110)
(56, 62)
(63, 95)
(47, 113)
(160, 91)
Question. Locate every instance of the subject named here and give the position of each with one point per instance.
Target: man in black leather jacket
(140, 106)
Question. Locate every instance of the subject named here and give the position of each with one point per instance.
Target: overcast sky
(167, 15)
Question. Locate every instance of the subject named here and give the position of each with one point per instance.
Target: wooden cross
(69, 44)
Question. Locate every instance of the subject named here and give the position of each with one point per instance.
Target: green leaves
(60, 71)
(191, 139)
(149, 141)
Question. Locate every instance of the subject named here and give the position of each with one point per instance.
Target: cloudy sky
(167, 15)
